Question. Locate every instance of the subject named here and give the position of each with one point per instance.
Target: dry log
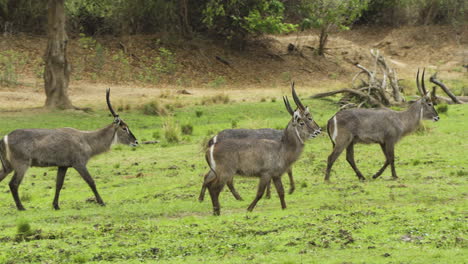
(370, 98)
(434, 80)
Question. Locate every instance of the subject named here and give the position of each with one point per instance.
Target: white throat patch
(114, 139)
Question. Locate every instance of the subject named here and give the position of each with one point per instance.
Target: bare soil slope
(129, 64)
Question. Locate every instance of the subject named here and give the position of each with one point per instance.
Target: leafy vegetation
(152, 212)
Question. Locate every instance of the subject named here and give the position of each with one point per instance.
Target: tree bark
(434, 80)
(57, 69)
(323, 40)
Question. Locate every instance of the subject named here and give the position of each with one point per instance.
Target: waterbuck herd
(264, 153)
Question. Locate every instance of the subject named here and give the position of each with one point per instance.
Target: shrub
(23, 229)
(187, 129)
(442, 108)
(198, 113)
(153, 108)
(171, 131)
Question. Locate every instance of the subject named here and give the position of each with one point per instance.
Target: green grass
(152, 212)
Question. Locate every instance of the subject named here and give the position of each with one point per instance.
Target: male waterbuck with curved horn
(264, 158)
(383, 126)
(62, 148)
(263, 133)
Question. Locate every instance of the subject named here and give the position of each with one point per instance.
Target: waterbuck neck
(101, 140)
(411, 117)
(291, 144)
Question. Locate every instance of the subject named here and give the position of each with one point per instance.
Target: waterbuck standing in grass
(263, 133)
(264, 158)
(383, 126)
(63, 148)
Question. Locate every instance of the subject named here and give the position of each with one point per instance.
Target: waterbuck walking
(264, 158)
(383, 126)
(63, 148)
(263, 133)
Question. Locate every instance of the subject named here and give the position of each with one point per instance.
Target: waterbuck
(264, 158)
(63, 148)
(263, 133)
(383, 126)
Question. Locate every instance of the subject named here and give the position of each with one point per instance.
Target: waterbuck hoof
(239, 199)
(56, 207)
(375, 176)
(21, 209)
(362, 179)
(102, 204)
(291, 191)
(216, 212)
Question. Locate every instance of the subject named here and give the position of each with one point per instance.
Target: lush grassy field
(152, 212)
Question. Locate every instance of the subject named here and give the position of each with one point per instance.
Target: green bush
(187, 129)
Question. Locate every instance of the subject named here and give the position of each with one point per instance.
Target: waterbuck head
(123, 135)
(428, 111)
(302, 121)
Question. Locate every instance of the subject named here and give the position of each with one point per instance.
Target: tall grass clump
(23, 229)
(216, 99)
(154, 108)
(172, 131)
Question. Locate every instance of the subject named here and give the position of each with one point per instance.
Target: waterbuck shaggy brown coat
(263, 133)
(63, 148)
(264, 158)
(382, 126)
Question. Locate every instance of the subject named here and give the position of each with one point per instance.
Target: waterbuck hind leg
(381, 170)
(280, 190)
(233, 190)
(268, 190)
(83, 171)
(4, 172)
(14, 185)
(215, 189)
(332, 158)
(208, 178)
(350, 159)
(292, 186)
(58, 186)
(264, 181)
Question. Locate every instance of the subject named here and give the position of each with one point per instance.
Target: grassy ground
(152, 211)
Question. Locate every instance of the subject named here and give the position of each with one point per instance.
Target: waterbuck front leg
(381, 170)
(280, 190)
(350, 159)
(58, 185)
(390, 153)
(233, 190)
(264, 181)
(83, 171)
(14, 185)
(292, 186)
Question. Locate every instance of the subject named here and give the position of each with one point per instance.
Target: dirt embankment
(137, 67)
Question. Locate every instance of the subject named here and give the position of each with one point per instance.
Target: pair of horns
(109, 104)
(296, 100)
(421, 88)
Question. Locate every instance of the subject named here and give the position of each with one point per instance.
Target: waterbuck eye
(301, 123)
(429, 104)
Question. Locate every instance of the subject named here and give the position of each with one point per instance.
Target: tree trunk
(323, 40)
(57, 69)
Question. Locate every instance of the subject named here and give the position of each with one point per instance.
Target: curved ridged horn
(423, 85)
(296, 99)
(109, 104)
(288, 106)
(417, 83)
